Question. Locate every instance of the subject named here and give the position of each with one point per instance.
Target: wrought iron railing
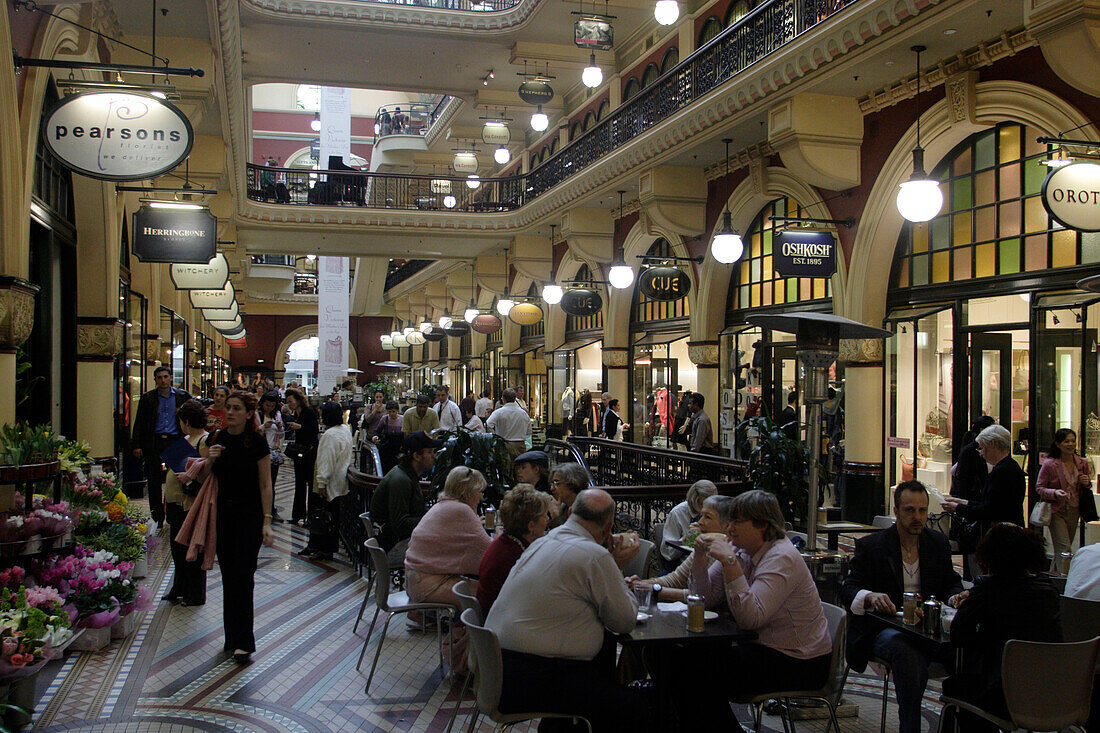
(403, 119)
(761, 32)
(474, 6)
(283, 260)
(615, 463)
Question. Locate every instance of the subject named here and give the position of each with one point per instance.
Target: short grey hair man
(572, 475)
(996, 436)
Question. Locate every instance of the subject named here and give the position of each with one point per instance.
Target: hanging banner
(664, 283)
(335, 125)
(581, 302)
(803, 253)
(1071, 195)
(185, 236)
(333, 301)
(117, 136)
(594, 34)
(220, 298)
(192, 276)
(222, 314)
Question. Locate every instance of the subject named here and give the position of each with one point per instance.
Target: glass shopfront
(173, 342)
(577, 373)
(985, 317)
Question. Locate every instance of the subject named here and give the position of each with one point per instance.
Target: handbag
(1040, 514)
(1086, 506)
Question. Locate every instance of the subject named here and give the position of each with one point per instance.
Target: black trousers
(303, 485)
(702, 697)
(585, 688)
(188, 579)
(324, 524)
(240, 535)
(154, 477)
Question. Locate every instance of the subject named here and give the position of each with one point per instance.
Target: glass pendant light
(621, 275)
(726, 246)
(920, 198)
(552, 292)
(592, 76)
(539, 120)
(666, 11)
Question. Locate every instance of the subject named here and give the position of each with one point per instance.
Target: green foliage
(777, 464)
(378, 385)
(23, 444)
(25, 380)
(485, 452)
(116, 537)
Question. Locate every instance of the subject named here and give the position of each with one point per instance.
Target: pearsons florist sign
(184, 236)
(1071, 195)
(118, 136)
(803, 253)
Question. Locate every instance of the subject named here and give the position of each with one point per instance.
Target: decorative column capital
(703, 353)
(16, 311)
(151, 350)
(98, 339)
(616, 357)
(861, 352)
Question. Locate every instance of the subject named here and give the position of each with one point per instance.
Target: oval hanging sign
(487, 323)
(435, 333)
(581, 302)
(222, 314)
(457, 328)
(416, 339)
(230, 325)
(536, 92)
(1071, 195)
(218, 298)
(525, 314)
(118, 136)
(400, 342)
(211, 276)
(387, 342)
(664, 283)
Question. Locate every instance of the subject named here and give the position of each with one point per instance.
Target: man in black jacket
(1002, 500)
(906, 558)
(155, 428)
(398, 503)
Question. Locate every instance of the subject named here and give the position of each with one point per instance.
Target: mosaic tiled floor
(171, 676)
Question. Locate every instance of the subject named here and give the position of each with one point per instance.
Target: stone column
(863, 493)
(98, 343)
(16, 322)
(704, 354)
(617, 361)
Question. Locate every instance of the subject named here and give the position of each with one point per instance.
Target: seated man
(907, 558)
(398, 503)
(533, 467)
(550, 617)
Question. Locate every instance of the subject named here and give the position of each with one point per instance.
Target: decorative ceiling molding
(388, 15)
(442, 122)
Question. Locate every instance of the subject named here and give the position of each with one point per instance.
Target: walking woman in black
(241, 461)
(303, 422)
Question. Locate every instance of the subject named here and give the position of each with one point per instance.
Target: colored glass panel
(985, 151)
(1009, 219)
(1063, 248)
(985, 259)
(1008, 256)
(1009, 139)
(963, 270)
(941, 267)
(985, 224)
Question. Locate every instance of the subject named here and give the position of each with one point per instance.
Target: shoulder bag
(1040, 514)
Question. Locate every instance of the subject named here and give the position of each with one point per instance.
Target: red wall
(265, 333)
(298, 122)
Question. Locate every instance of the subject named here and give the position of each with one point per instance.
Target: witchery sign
(118, 136)
(174, 235)
(802, 253)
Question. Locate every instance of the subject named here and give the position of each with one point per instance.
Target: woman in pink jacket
(1062, 478)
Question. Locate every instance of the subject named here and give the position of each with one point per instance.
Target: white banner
(333, 301)
(335, 124)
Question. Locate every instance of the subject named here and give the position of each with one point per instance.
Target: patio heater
(817, 342)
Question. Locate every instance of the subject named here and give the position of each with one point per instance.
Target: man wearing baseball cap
(398, 503)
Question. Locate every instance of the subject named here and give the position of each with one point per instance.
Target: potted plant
(482, 451)
(777, 464)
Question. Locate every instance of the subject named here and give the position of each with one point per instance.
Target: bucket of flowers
(32, 630)
(94, 585)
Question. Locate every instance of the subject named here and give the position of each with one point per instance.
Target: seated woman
(524, 512)
(448, 542)
(566, 481)
(713, 517)
(680, 519)
(1007, 602)
(765, 583)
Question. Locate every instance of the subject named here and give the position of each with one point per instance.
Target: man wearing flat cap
(398, 503)
(533, 467)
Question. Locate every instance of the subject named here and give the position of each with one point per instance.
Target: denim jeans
(909, 667)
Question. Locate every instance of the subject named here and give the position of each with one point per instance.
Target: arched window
(574, 131)
(650, 75)
(754, 283)
(658, 310)
(711, 28)
(993, 222)
(583, 323)
(630, 89)
(605, 107)
(535, 329)
(672, 57)
(738, 10)
(589, 121)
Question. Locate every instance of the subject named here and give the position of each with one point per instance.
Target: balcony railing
(403, 119)
(474, 6)
(746, 42)
(283, 260)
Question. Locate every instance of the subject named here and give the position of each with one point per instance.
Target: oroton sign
(1071, 195)
(118, 136)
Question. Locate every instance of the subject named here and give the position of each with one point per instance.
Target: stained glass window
(993, 222)
(646, 310)
(754, 283)
(583, 323)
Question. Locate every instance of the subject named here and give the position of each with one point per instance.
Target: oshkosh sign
(1071, 195)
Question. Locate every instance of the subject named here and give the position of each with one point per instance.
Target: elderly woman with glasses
(566, 481)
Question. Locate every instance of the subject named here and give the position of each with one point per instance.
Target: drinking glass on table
(644, 593)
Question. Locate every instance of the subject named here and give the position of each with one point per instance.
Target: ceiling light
(315, 123)
(445, 320)
(502, 155)
(504, 305)
(949, 31)
(311, 258)
(920, 198)
(666, 11)
(449, 201)
(425, 326)
(726, 245)
(621, 275)
(552, 293)
(472, 181)
(539, 120)
(395, 334)
(470, 314)
(407, 330)
(592, 76)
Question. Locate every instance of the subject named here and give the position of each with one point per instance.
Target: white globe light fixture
(395, 334)
(504, 305)
(470, 314)
(592, 76)
(425, 326)
(473, 181)
(552, 293)
(539, 120)
(502, 155)
(450, 201)
(445, 321)
(726, 246)
(621, 276)
(315, 123)
(920, 198)
(666, 11)
(407, 330)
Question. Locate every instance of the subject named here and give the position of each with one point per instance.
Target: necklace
(910, 555)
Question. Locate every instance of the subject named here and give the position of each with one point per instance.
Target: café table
(833, 530)
(938, 644)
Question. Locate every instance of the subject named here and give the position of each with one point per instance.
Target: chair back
(1080, 618)
(836, 618)
(467, 601)
(640, 562)
(368, 525)
(381, 572)
(484, 652)
(658, 534)
(882, 521)
(1048, 707)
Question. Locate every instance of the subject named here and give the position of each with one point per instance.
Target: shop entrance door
(991, 377)
(784, 380)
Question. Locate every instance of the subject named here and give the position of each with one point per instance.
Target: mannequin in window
(582, 418)
(567, 398)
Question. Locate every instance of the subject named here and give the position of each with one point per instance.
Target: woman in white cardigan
(330, 483)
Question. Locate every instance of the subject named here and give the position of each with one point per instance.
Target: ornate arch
(880, 225)
(304, 332)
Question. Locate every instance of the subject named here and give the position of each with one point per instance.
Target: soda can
(696, 615)
(931, 617)
(911, 609)
(1064, 559)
